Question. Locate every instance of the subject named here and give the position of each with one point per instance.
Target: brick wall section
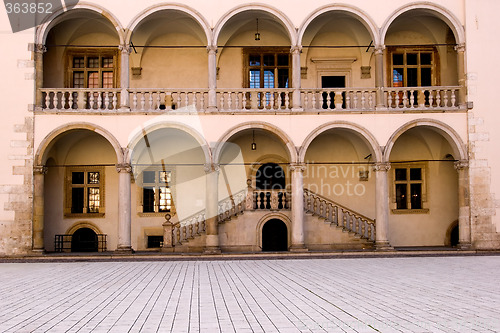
(17, 234)
(482, 201)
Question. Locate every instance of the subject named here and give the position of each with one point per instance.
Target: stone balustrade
(244, 100)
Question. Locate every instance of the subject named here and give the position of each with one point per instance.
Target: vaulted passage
(274, 236)
(84, 240)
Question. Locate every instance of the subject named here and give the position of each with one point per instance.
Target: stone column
(39, 172)
(382, 206)
(124, 208)
(124, 76)
(462, 95)
(212, 77)
(39, 51)
(212, 209)
(464, 227)
(296, 79)
(379, 76)
(168, 228)
(298, 243)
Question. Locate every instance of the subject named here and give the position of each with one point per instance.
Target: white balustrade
(234, 100)
(338, 99)
(428, 98)
(80, 99)
(192, 100)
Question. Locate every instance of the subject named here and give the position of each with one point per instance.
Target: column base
(298, 248)
(38, 251)
(124, 250)
(464, 246)
(383, 246)
(212, 250)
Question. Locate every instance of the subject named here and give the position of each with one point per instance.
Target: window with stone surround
(413, 66)
(92, 68)
(156, 192)
(84, 192)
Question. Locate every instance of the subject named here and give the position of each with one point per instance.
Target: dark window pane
(416, 196)
(78, 62)
(400, 174)
(78, 80)
(397, 59)
(254, 60)
(415, 174)
(401, 196)
(148, 200)
(283, 59)
(93, 62)
(268, 59)
(426, 77)
(148, 177)
(77, 200)
(425, 58)
(155, 241)
(77, 178)
(412, 80)
(283, 78)
(107, 62)
(411, 59)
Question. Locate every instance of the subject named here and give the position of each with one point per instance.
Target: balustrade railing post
(168, 241)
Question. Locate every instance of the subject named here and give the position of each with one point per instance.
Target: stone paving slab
(411, 294)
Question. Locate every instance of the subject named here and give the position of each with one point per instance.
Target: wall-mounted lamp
(257, 35)
(254, 145)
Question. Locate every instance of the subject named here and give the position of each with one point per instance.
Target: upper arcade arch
(151, 11)
(446, 131)
(82, 9)
(348, 10)
(45, 145)
(270, 12)
(360, 131)
(430, 9)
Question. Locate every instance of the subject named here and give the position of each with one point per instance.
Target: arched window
(270, 176)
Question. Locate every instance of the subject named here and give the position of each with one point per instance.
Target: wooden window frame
(424, 197)
(69, 193)
(247, 51)
(91, 53)
(435, 64)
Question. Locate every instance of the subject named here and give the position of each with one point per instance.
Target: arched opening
(454, 236)
(274, 236)
(270, 176)
(84, 240)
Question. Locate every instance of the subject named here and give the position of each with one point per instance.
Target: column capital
(300, 167)
(40, 170)
(124, 167)
(40, 48)
(379, 49)
(211, 167)
(461, 165)
(296, 49)
(212, 49)
(381, 166)
(125, 48)
(460, 47)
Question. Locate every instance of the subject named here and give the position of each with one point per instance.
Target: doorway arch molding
(271, 216)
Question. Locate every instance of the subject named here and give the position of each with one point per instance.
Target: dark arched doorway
(84, 240)
(270, 176)
(274, 236)
(454, 236)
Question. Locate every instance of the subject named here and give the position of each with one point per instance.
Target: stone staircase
(339, 216)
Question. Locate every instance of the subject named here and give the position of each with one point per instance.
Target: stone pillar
(124, 76)
(298, 243)
(462, 95)
(296, 79)
(168, 228)
(382, 206)
(39, 172)
(124, 208)
(379, 76)
(39, 51)
(212, 209)
(212, 77)
(464, 227)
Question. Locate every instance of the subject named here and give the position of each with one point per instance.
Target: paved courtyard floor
(424, 294)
